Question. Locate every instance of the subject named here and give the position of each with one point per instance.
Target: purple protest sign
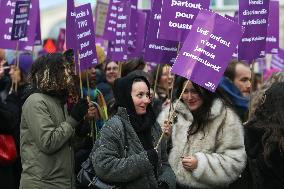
(253, 15)
(118, 48)
(139, 35)
(208, 49)
(38, 30)
(60, 40)
(277, 60)
(85, 36)
(158, 50)
(177, 18)
(132, 28)
(71, 37)
(7, 10)
(20, 22)
(272, 40)
(111, 19)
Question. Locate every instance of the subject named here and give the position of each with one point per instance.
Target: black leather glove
(79, 110)
(153, 157)
(163, 185)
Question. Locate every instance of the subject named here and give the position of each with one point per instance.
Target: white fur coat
(220, 152)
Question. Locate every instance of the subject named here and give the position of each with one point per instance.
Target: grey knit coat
(135, 170)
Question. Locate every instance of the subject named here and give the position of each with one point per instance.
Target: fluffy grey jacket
(219, 150)
(111, 165)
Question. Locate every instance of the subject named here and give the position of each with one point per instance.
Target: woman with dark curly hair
(46, 129)
(264, 140)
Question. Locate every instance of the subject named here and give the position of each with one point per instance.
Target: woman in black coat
(264, 140)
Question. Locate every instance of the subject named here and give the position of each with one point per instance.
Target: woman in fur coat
(207, 139)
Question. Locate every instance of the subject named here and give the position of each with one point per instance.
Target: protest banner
(111, 19)
(20, 21)
(133, 26)
(7, 10)
(71, 42)
(253, 15)
(38, 30)
(85, 36)
(208, 49)
(158, 50)
(137, 47)
(177, 17)
(60, 40)
(118, 47)
(272, 39)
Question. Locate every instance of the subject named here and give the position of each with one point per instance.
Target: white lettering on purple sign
(179, 25)
(201, 60)
(255, 2)
(186, 4)
(157, 17)
(254, 22)
(162, 48)
(254, 12)
(214, 37)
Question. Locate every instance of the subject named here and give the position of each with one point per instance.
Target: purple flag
(208, 49)
(158, 50)
(111, 19)
(60, 40)
(178, 16)
(272, 40)
(85, 36)
(71, 37)
(38, 30)
(118, 48)
(132, 28)
(20, 22)
(139, 35)
(7, 10)
(253, 15)
(277, 60)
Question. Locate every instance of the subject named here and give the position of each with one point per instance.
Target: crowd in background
(233, 138)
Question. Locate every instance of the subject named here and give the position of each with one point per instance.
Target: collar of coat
(122, 112)
(216, 109)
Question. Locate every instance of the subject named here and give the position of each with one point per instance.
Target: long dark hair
(270, 118)
(202, 114)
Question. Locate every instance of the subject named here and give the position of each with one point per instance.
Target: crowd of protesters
(232, 138)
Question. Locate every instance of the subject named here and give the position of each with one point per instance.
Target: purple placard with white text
(85, 36)
(158, 50)
(208, 49)
(7, 11)
(118, 47)
(272, 40)
(70, 25)
(253, 15)
(111, 19)
(178, 16)
(20, 22)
